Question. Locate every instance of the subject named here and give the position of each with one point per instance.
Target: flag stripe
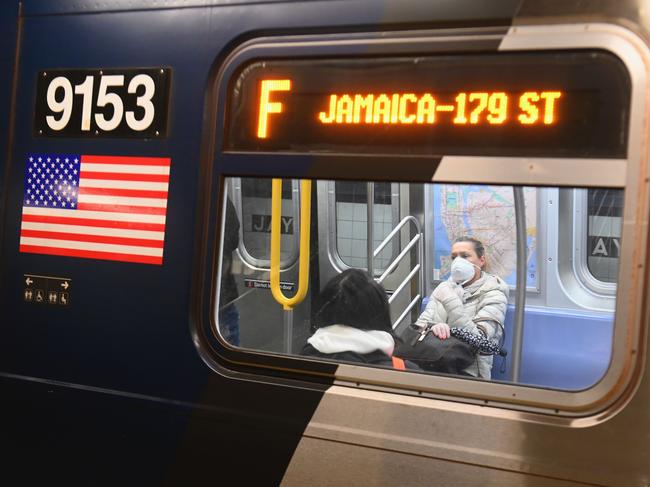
(160, 227)
(137, 185)
(93, 230)
(159, 178)
(142, 161)
(125, 169)
(98, 207)
(91, 246)
(122, 200)
(148, 210)
(140, 259)
(78, 237)
(97, 215)
(136, 193)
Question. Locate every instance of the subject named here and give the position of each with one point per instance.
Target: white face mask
(462, 271)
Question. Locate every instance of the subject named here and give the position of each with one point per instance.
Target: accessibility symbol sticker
(48, 290)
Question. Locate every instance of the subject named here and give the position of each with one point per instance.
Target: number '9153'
(114, 103)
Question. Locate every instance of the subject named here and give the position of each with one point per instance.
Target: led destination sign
(408, 108)
(570, 104)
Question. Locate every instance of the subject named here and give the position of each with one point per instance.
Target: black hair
(478, 245)
(353, 298)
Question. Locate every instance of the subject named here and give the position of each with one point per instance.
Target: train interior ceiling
(567, 238)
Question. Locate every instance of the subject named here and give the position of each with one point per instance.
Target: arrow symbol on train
(65, 285)
(28, 281)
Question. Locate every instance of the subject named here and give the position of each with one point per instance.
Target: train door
(251, 260)
(397, 244)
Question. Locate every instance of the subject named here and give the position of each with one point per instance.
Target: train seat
(565, 349)
(554, 348)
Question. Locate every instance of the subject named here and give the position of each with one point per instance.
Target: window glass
(351, 199)
(256, 215)
(473, 294)
(605, 215)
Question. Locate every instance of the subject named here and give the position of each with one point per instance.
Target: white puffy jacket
(479, 308)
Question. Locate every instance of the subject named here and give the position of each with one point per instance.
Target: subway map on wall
(488, 214)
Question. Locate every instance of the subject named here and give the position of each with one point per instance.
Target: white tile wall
(351, 233)
(360, 212)
(359, 230)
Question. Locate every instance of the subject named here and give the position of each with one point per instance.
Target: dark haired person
(353, 322)
(470, 299)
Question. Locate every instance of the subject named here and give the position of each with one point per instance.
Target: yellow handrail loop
(305, 223)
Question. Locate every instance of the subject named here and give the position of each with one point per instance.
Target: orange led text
(267, 106)
(473, 108)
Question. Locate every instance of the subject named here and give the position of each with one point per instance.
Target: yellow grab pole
(305, 223)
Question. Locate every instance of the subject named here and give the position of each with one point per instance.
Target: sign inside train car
(547, 103)
(102, 103)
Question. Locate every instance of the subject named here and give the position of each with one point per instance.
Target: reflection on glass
(462, 322)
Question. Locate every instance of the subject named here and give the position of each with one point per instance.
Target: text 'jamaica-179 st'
(533, 104)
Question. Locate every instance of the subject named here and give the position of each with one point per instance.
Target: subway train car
(182, 181)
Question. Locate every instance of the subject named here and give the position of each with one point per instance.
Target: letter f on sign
(267, 106)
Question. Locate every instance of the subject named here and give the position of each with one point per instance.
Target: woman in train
(353, 322)
(471, 299)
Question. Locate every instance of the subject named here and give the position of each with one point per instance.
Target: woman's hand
(441, 330)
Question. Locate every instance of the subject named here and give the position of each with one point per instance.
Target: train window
(351, 209)
(604, 216)
(591, 223)
(475, 294)
(502, 149)
(252, 200)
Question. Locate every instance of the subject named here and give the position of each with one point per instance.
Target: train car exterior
(174, 172)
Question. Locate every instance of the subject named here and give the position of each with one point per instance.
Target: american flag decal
(95, 207)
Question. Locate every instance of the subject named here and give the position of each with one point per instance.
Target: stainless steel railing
(417, 268)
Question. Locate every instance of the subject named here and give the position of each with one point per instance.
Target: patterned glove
(481, 344)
